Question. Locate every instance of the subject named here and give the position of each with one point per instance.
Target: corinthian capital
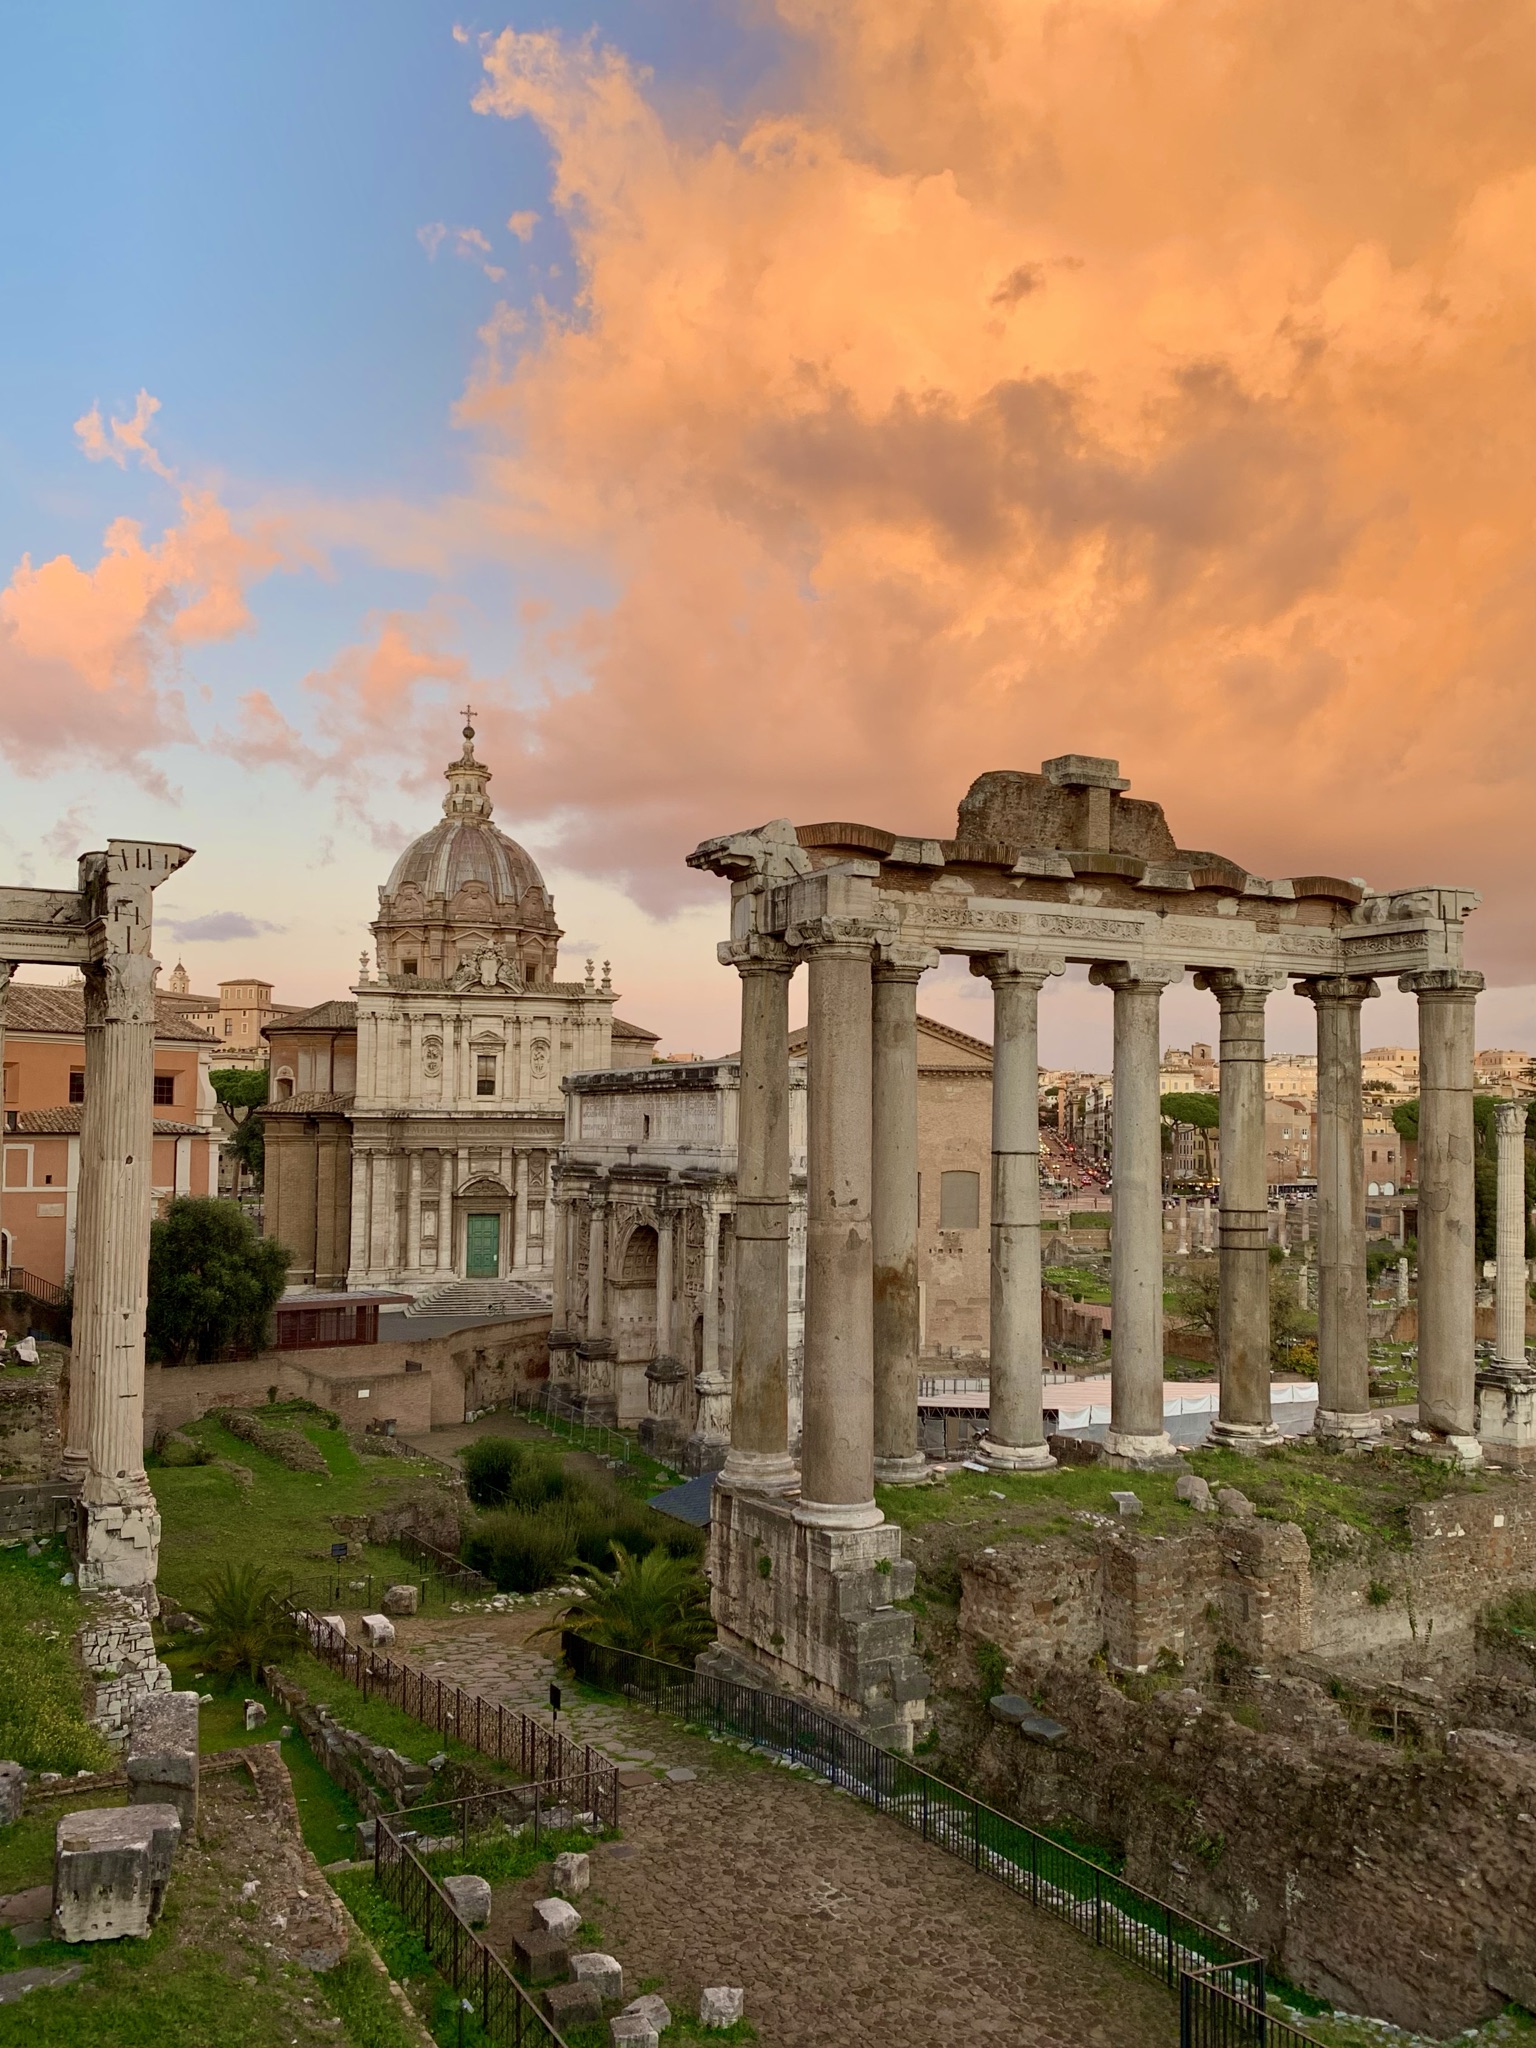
(903, 960)
(1231, 983)
(1337, 988)
(1442, 981)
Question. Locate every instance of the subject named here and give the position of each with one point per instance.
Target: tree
(656, 1605)
(246, 1623)
(242, 1091)
(213, 1281)
(1485, 1169)
(1203, 1111)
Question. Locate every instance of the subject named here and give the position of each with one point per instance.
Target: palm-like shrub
(247, 1625)
(656, 1605)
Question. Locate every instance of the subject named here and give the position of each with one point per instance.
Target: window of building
(959, 1201)
(229, 1027)
(12, 1083)
(77, 1084)
(408, 966)
(165, 1087)
(485, 1073)
(645, 1130)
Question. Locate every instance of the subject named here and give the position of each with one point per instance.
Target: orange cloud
(86, 655)
(1148, 378)
(469, 243)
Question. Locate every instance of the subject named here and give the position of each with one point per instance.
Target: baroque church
(412, 1132)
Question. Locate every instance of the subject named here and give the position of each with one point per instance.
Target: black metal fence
(1219, 1982)
(575, 1773)
(17, 1280)
(457, 1579)
(506, 2014)
(554, 1406)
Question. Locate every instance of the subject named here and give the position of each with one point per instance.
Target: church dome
(465, 884)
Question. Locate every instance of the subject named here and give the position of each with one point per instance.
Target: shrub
(246, 1624)
(541, 1482)
(182, 1450)
(213, 1281)
(657, 1606)
(488, 1465)
(522, 1552)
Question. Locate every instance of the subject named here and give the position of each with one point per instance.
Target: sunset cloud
(1148, 379)
(469, 243)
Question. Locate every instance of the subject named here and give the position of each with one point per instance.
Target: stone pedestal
(1506, 1414)
(162, 1754)
(594, 1385)
(811, 1610)
(111, 1868)
(117, 1649)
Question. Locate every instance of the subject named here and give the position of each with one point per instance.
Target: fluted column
(559, 1218)
(759, 1455)
(1015, 1438)
(1343, 1334)
(1447, 1234)
(664, 1237)
(837, 1457)
(520, 1212)
(1245, 1421)
(1509, 1120)
(445, 1211)
(122, 1523)
(1136, 1219)
(893, 1213)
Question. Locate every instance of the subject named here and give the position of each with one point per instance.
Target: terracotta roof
(65, 1123)
(623, 1029)
(29, 1007)
(308, 1105)
(332, 1016)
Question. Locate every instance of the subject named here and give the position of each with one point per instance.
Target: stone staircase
(483, 1298)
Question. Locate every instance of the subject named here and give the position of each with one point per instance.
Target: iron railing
(457, 1577)
(580, 1775)
(507, 2015)
(1157, 1937)
(558, 1411)
(17, 1280)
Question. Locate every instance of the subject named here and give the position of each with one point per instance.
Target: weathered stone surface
(633, 2030)
(13, 1785)
(1194, 1491)
(573, 1873)
(653, 2010)
(604, 1973)
(1127, 1505)
(542, 1957)
(721, 2005)
(1231, 1502)
(162, 1761)
(15, 1984)
(111, 1867)
(1019, 1713)
(572, 2005)
(378, 1631)
(401, 1599)
(470, 1898)
(556, 1917)
(255, 1715)
(365, 1836)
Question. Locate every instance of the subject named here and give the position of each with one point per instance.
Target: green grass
(378, 1720)
(207, 1515)
(1513, 2028)
(360, 1995)
(1034, 1504)
(42, 1703)
(405, 1957)
(1083, 1283)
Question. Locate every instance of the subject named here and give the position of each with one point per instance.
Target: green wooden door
(482, 1247)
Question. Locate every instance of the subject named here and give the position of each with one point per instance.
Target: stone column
(759, 1454)
(1183, 1226)
(711, 1387)
(121, 1532)
(837, 1488)
(1136, 1430)
(893, 1212)
(1447, 1238)
(558, 1218)
(1343, 1335)
(1402, 1279)
(597, 1271)
(664, 1238)
(445, 1177)
(709, 1362)
(520, 1212)
(1245, 1421)
(88, 1225)
(1015, 1438)
(1509, 1117)
(413, 1215)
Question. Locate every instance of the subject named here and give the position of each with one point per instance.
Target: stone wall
(32, 1408)
(117, 1648)
(1071, 1327)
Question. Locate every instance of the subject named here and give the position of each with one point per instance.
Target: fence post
(1034, 1868)
(1186, 2016)
(1098, 1908)
(1168, 1938)
(975, 1835)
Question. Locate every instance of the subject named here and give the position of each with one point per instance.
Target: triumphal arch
(1044, 869)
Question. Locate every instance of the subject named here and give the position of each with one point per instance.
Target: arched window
(284, 1084)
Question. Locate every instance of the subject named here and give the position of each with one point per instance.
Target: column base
(1249, 1438)
(117, 1540)
(1345, 1428)
(1014, 1457)
(769, 1472)
(911, 1471)
(838, 1514)
(1123, 1448)
(1506, 1414)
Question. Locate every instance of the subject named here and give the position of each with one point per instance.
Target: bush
(245, 1621)
(544, 1482)
(181, 1450)
(488, 1466)
(522, 1552)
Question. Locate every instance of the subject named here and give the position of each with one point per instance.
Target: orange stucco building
(44, 1104)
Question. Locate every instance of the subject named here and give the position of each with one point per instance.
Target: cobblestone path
(846, 1930)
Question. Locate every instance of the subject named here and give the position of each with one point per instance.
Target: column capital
(1509, 1116)
(1030, 970)
(1120, 974)
(903, 960)
(1337, 988)
(846, 938)
(1442, 981)
(757, 954)
(1233, 984)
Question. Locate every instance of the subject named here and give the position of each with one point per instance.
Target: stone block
(1231, 1502)
(542, 1957)
(653, 2010)
(367, 1833)
(721, 2005)
(1016, 1712)
(556, 1917)
(1190, 1488)
(332, 1622)
(1127, 1505)
(400, 1599)
(573, 1873)
(1506, 1414)
(162, 1760)
(255, 1715)
(378, 1631)
(13, 1786)
(470, 1898)
(633, 2030)
(603, 1973)
(111, 1867)
(572, 2005)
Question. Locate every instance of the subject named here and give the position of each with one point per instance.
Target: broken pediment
(1076, 802)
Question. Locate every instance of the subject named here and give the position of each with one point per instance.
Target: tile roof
(65, 1123)
(622, 1028)
(331, 1016)
(309, 1105)
(31, 1007)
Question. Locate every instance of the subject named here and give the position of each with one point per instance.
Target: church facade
(414, 1130)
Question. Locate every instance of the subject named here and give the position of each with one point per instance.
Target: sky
(759, 408)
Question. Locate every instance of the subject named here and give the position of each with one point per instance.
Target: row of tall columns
(1510, 1283)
